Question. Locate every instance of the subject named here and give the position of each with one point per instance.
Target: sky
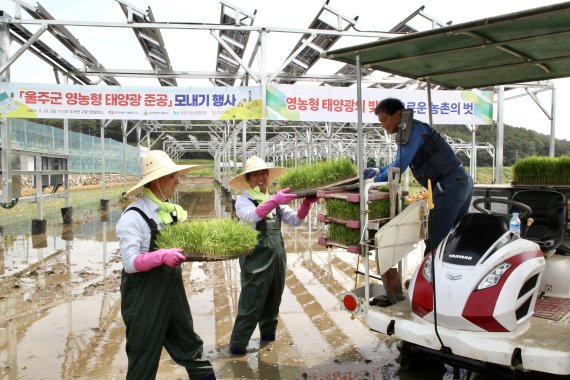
(196, 50)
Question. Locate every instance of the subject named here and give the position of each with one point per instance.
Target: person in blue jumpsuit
(263, 271)
(430, 157)
(154, 305)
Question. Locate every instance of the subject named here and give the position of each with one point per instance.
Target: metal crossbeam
(63, 35)
(22, 35)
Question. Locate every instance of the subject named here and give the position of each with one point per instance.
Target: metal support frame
(326, 139)
(63, 35)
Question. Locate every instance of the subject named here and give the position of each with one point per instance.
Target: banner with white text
(283, 102)
(339, 104)
(25, 100)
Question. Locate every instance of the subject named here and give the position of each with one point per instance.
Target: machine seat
(549, 211)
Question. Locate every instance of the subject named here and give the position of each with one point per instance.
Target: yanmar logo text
(462, 257)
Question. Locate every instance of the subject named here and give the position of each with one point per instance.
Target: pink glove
(305, 207)
(282, 197)
(147, 261)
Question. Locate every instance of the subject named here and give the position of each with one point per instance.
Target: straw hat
(254, 164)
(157, 164)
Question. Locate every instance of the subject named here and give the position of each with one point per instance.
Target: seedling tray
(329, 243)
(329, 219)
(194, 256)
(352, 196)
(345, 184)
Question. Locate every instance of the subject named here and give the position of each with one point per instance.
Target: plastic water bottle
(515, 224)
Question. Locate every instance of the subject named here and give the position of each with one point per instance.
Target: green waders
(156, 314)
(262, 284)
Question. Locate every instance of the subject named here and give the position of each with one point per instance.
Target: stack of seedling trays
(343, 216)
(541, 171)
(337, 182)
(210, 239)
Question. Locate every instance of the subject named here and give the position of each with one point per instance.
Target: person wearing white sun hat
(154, 305)
(262, 271)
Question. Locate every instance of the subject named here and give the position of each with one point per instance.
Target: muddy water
(60, 309)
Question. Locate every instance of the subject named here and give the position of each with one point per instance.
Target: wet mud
(60, 308)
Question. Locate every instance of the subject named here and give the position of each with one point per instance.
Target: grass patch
(9, 239)
(206, 169)
(312, 176)
(193, 188)
(203, 171)
(210, 239)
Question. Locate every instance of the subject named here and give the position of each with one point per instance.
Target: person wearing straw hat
(154, 305)
(262, 271)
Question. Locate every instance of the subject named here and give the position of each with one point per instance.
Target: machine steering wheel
(526, 211)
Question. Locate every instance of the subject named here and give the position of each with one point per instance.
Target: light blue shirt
(134, 233)
(245, 210)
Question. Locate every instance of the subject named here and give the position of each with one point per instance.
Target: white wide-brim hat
(157, 164)
(254, 164)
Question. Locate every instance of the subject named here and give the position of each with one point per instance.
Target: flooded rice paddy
(60, 305)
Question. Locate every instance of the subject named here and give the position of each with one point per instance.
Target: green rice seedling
(379, 209)
(210, 239)
(316, 175)
(525, 170)
(9, 239)
(344, 235)
(537, 170)
(338, 208)
(563, 169)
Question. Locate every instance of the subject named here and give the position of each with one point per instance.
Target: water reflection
(39, 241)
(67, 232)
